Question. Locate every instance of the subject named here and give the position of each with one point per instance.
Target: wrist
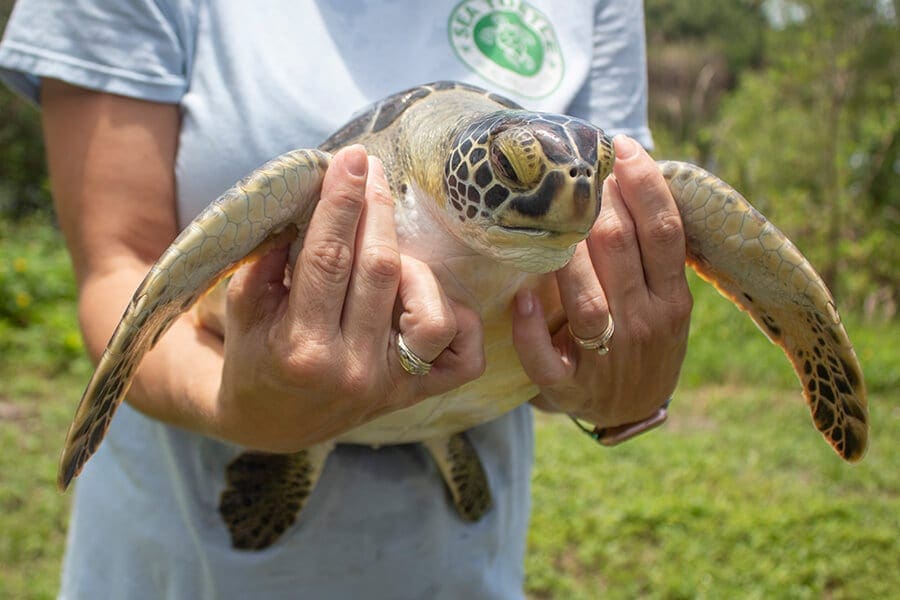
(612, 436)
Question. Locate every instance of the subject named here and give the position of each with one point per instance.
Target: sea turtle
(474, 171)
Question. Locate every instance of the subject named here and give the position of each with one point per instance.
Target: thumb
(257, 292)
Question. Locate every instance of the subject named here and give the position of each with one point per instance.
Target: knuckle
(381, 264)
(615, 235)
(642, 174)
(679, 316)
(348, 196)
(296, 358)
(682, 309)
(332, 260)
(439, 327)
(544, 378)
(589, 307)
(473, 367)
(667, 229)
(298, 367)
(432, 323)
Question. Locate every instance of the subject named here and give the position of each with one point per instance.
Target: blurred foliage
(696, 50)
(812, 140)
(735, 29)
(795, 103)
(24, 188)
(37, 296)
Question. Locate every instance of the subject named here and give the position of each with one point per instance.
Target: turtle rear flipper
(756, 266)
(271, 206)
(461, 468)
(266, 493)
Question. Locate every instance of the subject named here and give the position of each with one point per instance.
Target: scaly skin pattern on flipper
(229, 231)
(265, 493)
(753, 264)
(461, 469)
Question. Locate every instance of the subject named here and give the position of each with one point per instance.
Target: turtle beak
(564, 205)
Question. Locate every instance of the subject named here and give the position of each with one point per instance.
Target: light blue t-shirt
(253, 80)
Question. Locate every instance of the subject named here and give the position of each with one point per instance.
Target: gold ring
(410, 361)
(598, 343)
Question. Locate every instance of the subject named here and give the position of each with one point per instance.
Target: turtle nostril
(581, 169)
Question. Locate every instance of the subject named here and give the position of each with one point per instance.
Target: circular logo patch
(508, 42)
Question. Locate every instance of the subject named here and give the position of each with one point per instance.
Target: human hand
(305, 364)
(631, 267)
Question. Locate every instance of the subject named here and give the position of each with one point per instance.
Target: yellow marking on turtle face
(524, 155)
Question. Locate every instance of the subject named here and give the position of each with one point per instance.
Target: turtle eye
(503, 165)
(516, 159)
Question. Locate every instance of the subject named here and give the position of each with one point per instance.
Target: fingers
(582, 296)
(541, 360)
(319, 281)
(376, 268)
(256, 289)
(427, 321)
(615, 252)
(659, 230)
(438, 331)
(462, 361)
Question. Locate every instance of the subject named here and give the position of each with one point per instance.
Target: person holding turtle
(152, 109)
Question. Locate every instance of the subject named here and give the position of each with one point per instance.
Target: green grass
(736, 497)
(42, 368)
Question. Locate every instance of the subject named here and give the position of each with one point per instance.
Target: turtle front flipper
(266, 493)
(461, 468)
(274, 203)
(756, 266)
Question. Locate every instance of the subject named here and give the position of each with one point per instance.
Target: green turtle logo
(508, 42)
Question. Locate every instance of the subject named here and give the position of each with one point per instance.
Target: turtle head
(524, 188)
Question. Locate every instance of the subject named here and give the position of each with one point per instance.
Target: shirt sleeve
(614, 96)
(137, 48)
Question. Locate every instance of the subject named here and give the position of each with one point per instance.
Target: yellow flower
(19, 264)
(72, 341)
(23, 299)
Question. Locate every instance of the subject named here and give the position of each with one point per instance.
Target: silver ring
(410, 361)
(598, 343)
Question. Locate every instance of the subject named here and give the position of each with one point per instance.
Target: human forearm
(178, 381)
(111, 165)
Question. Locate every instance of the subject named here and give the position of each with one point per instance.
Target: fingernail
(625, 147)
(525, 302)
(356, 161)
